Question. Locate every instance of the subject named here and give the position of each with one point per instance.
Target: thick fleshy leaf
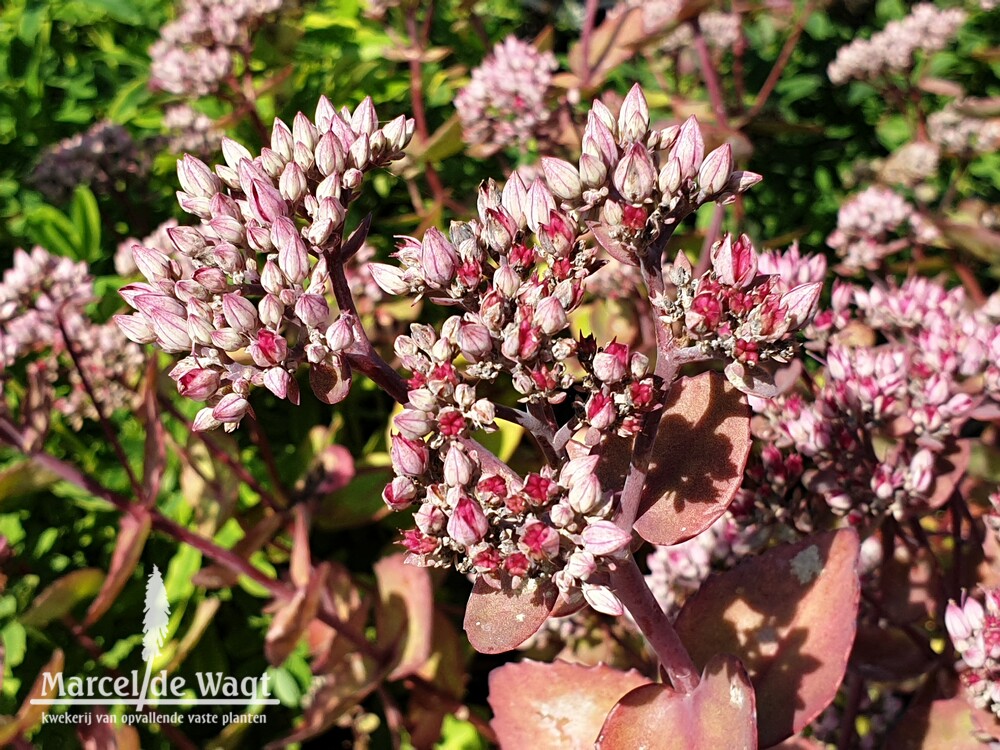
(330, 383)
(948, 723)
(405, 613)
(132, 535)
(720, 712)
(293, 616)
(789, 614)
(556, 706)
(499, 619)
(698, 460)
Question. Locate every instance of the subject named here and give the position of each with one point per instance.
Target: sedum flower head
(244, 294)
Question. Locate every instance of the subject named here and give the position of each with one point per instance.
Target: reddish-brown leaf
(556, 706)
(498, 620)
(719, 713)
(405, 613)
(132, 535)
(293, 616)
(698, 460)
(330, 383)
(30, 715)
(789, 614)
(948, 723)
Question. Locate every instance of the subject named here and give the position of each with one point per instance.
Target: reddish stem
(710, 74)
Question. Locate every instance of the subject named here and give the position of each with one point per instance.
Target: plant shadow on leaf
(790, 616)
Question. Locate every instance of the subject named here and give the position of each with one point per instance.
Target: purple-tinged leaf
(501, 619)
(790, 615)
(292, 618)
(719, 713)
(405, 613)
(948, 723)
(30, 715)
(556, 706)
(331, 383)
(697, 461)
(132, 534)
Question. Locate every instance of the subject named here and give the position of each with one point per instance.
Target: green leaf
(459, 735)
(86, 218)
(22, 479)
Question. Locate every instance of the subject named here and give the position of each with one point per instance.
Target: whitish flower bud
(136, 328)
(539, 203)
(234, 153)
(581, 565)
(956, 622)
(271, 310)
(151, 263)
(593, 171)
(550, 316)
(204, 421)
(228, 339)
(458, 467)
(266, 202)
(312, 310)
(562, 515)
(585, 494)
(562, 178)
(438, 258)
(602, 599)
(611, 364)
(282, 141)
(171, 331)
(670, 177)
(801, 303)
(506, 281)
(196, 178)
(239, 312)
(414, 423)
(689, 150)
(716, 170)
(293, 258)
(474, 340)
(292, 184)
(330, 158)
(231, 408)
(633, 118)
(604, 538)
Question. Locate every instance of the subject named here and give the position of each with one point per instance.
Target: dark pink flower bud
(716, 169)
(562, 178)
(438, 258)
(269, 349)
(468, 524)
(231, 408)
(240, 313)
(705, 313)
(539, 541)
(312, 310)
(604, 538)
(400, 493)
(198, 384)
(735, 263)
(633, 118)
(601, 411)
(635, 174)
(409, 457)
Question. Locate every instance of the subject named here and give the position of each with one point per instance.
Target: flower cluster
(41, 296)
(876, 431)
(722, 31)
(246, 295)
(962, 135)
(195, 52)
(911, 164)
(517, 273)
(191, 132)
(874, 224)
(895, 49)
(104, 158)
(975, 634)
(734, 313)
(507, 101)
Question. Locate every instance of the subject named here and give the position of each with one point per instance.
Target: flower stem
(629, 585)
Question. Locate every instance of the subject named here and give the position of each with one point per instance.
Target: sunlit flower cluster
(975, 634)
(245, 296)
